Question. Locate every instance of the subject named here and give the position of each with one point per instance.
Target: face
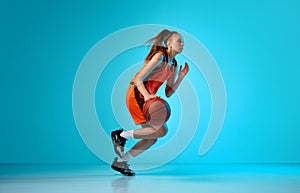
(175, 43)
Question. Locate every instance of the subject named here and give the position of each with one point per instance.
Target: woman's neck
(171, 55)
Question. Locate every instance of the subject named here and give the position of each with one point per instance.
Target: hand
(174, 67)
(184, 71)
(149, 96)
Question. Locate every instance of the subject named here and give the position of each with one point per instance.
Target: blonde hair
(159, 42)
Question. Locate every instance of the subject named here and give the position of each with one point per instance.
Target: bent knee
(162, 132)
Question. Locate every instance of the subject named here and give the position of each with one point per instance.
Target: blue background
(255, 44)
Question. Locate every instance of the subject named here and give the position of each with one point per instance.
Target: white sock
(127, 134)
(126, 157)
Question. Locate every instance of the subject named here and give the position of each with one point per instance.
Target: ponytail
(159, 42)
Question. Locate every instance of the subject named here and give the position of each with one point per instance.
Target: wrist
(146, 96)
(181, 75)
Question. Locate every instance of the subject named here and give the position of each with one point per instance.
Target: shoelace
(125, 165)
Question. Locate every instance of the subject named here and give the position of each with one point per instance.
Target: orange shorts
(134, 106)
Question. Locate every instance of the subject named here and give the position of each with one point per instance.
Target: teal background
(255, 44)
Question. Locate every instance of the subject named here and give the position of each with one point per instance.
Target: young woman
(160, 66)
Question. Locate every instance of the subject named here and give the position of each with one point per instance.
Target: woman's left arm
(172, 85)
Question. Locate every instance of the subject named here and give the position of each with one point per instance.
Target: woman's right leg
(148, 136)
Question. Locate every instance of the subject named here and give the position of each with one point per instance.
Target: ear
(169, 43)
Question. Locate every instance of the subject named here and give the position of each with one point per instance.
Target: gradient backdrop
(255, 44)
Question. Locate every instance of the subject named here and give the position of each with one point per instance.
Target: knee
(162, 131)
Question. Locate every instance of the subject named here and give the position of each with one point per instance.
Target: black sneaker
(118, 142)
(122, 167)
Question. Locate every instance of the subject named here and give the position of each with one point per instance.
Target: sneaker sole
(121, 171)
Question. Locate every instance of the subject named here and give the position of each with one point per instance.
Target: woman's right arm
(145, 70)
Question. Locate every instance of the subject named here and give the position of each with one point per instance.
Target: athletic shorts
(134, 102)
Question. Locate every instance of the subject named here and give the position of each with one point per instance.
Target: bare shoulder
(157, 56)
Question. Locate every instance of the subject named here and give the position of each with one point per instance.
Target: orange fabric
(133, 106)
(135, 100)
(156, 79)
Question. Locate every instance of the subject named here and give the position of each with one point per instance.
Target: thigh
(157, 132)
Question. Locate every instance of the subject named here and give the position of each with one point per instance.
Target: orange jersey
(135, 100)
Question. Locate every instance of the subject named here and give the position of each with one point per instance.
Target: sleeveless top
(158, 75)
(156, 78)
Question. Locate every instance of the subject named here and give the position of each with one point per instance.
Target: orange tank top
(155, 79)
(159, 75)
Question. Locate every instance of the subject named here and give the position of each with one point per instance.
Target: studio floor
(206, 178)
